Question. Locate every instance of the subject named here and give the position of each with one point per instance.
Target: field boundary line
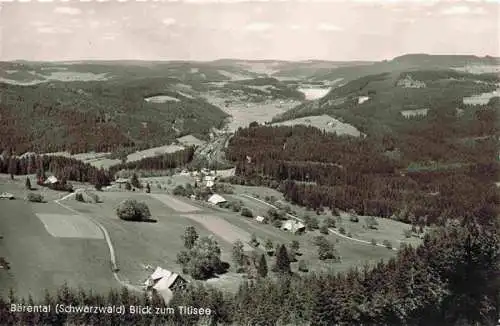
(114, 266)
(329, 229)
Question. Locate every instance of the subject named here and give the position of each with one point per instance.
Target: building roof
(160, 273)
(292, 226)
(216, 199)
(51, 179)
(166, 282)
(121, 180)
(260, 219)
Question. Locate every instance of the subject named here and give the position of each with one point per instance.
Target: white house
(260, 219)
(216, 199)
(363, 99)
(121, 180)
(293, 226)
(51, 180)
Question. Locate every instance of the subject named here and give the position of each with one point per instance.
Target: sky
(246, 29)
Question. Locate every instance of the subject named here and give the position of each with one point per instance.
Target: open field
(70, 226)
(101, 160)
(41, 261)
(314, 93)
(137, 245)
(190, 140)
(222, 229)
(161, 99)
(140, 244)
(323, 122)
(175, 204)
(352, 254)
(387, 229)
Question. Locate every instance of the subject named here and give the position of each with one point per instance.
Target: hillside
(404, 63)
(379, 104)
(101, 115)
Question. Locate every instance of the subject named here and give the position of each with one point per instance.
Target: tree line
(64, 168)
(161, 162)
(349, 173)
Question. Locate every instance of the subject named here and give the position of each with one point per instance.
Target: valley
(375, 162)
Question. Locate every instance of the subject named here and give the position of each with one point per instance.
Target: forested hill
(405, 62)
(377, 104)
(100, 115)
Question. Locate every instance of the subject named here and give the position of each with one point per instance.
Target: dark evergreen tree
(135, 181)
(282, 261)
(27, 184)
(262, 266)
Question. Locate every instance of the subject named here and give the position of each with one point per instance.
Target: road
(364, 242)
(114, 266)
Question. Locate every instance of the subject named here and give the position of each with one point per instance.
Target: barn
(293, 226)
(216, 199)
(164, 282)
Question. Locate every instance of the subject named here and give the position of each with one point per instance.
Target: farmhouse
(216, 199)
(260, 219)
(164, 282)
(121, 181)
(293, 226)
(52, 180)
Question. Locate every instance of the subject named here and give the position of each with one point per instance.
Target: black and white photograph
(250, 162)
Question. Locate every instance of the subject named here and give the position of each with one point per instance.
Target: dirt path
(364, 242)
(114, 267)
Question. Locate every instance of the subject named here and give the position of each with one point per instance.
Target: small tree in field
(253, 241)
(371, 223)
(132, 210)
(79, 197)
(387, 244)
(148, 188)
(295, 245)
(128, 186)
(269, 247)
(35, 198)
(28, 183)
(326, 250)
(135, 181)
(323, 229)
(189, 237)
(246, 212)
(303, 266)
(238, 254)
(329, 222)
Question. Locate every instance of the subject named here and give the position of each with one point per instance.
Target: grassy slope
(40, 261)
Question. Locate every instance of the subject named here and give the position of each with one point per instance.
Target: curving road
(114, 266)
(364, 242)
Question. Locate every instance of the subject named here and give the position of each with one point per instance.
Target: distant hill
(445, 60)
(392, 104)
(404, 63)
(102, 115)
(102, 105)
